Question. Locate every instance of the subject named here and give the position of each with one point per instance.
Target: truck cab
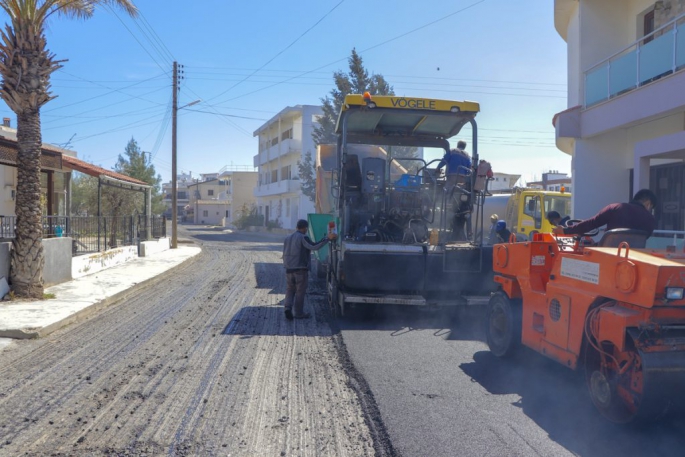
(527, 209)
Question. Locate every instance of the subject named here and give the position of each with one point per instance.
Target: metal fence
(92, 233)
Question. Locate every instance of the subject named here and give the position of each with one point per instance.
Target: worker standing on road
(636, 215)
(297, 249)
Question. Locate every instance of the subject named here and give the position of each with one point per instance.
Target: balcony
(285, 147)
(276, 188)
(658, 54)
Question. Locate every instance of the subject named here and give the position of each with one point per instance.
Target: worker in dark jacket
(297, 249)
(636, 215)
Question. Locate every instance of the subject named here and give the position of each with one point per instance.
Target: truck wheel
(503, 325)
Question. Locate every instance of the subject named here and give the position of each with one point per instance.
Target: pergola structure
(112, 179)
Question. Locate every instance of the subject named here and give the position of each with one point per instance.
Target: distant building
(220, 198)
(553, 181)
(182, 197)
(284, 140)
(625, 125)
(503, 182)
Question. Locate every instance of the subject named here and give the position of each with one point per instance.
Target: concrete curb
(29, 333)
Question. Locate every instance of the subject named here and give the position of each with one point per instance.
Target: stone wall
(666, 10)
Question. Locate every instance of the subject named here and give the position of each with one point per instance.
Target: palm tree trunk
(27, 248)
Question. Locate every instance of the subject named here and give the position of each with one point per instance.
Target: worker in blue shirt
(458, 168)
(458, 165)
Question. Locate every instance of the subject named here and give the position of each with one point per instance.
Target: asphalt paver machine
(395, 214)
(615, 310)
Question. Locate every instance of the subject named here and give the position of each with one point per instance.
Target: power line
(327, 77)
(227, 115)
(224, 119)
(133, 35)
(147, 24)
(140, 113)
(118, 129)
(68, 116)
(102, 95)
(361, 52)
(282, 50)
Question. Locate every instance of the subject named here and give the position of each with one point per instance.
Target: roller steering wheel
(572, 222)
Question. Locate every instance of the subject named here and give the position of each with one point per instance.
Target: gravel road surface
(200, 363)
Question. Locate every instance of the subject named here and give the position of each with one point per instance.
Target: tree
(305, 169)
(25, 66)
(137, 164)
(357, 81)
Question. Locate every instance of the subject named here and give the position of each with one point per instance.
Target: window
(287, 207)
(210, 192)
(286, 172)
(532, 209)
(274, 176)
(274, 141)
(205, 213)
(182, 195)
(287, 135)
(648, 26)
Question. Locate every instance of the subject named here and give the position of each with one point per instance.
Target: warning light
(367, 99)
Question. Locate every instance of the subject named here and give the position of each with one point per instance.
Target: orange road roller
(615, 309)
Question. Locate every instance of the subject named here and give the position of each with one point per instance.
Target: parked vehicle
(525, 210)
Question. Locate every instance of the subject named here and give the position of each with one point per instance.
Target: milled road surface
(200, 363)
(441, 393)
(203, 363)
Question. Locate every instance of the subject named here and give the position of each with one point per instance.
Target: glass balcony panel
(623, 73)
(596, 89)
(680, 46)
(656, 57)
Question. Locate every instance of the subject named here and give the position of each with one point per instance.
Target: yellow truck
(525, 210)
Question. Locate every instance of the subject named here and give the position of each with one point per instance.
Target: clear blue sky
(249, 60)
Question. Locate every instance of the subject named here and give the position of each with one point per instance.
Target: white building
(283, 141)
(183, 180)
(503, 182)
(625, 126)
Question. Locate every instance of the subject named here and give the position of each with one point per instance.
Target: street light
(174, 190)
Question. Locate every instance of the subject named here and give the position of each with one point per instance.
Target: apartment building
(553, 181)
(183, 180)
(625, 125)
(283, 141)
(219, 198)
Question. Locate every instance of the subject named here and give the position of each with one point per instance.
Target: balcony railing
(658, 54)
(92, 234)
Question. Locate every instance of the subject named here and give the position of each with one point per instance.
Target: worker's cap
(501, 225)
(494, 218)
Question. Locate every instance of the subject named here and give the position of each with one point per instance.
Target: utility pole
(174, 190)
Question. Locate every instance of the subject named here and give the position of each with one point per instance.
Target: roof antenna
(68, 143)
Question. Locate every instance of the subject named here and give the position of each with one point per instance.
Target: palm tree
(25, 67)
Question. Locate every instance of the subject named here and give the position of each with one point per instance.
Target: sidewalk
(79, 298)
